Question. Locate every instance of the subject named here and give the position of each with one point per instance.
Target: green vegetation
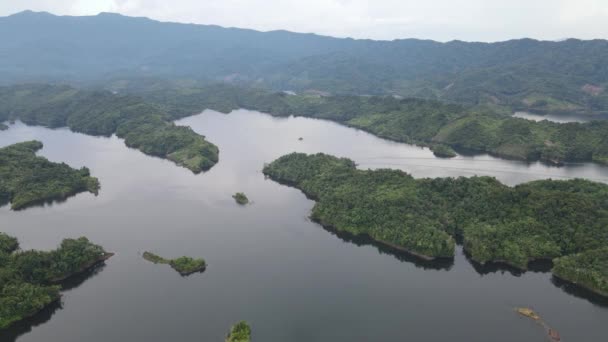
(524, 74)
(240, 332)
(513, 225)
(414, 121)
(240, 198)
(27, 278)
(184, 265)
(26, 179)
(588, 269)
(143, 126)
(443, 151)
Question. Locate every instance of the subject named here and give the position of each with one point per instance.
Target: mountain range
(120, 52)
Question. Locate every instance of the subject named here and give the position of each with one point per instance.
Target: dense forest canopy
(409, 120)
(28, 279)
(27, 179)
(142, 125)
(540, 76)
(537, 220)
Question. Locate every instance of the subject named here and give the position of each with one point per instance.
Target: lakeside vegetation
(443, 151)
(28, 279)
(569, 75)
(539, 220)
(183, 265)
(588, 269)
(27, 179)
(240, 332)
(409, 120)
(142, 125)
(240, 198)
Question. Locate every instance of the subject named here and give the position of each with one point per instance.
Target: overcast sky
(471, 20)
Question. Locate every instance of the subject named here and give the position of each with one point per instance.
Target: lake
(267, 263)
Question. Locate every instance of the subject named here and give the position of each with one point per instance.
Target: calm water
(268, 264)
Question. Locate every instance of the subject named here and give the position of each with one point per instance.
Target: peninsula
(27, 179)
(540, 220)
(29, 279)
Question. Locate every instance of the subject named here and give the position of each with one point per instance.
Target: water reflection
(268, 264)
(444, 264)
(580, 292)
(25, 326)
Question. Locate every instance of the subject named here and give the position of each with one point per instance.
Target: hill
(540, 76)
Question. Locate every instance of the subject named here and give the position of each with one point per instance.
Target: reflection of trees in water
(363, 240)
(580, 292)
(538, 266)
(25, 326)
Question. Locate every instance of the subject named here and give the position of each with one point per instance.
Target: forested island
(409, 120)
(240, 332)
(29, 279)
(240, 198)
(184, 265)
(27, 179)
(142, 125)
(540, 220)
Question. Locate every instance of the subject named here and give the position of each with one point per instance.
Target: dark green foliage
(26, 179)
(8, 244)
(588, 269)
(240, 198)
(142, 125)
(443, 151)
(536, 220)
(525, 74)
(423, 122)
(240, 332)
(26, 277)
(184, 265)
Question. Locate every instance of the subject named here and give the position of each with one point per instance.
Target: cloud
(478, 20)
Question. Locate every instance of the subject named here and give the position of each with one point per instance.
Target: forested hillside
(409, 120)
(569, 76)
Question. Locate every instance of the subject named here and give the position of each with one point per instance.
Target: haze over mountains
(540, 76)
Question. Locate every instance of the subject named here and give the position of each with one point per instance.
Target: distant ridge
(522, 74)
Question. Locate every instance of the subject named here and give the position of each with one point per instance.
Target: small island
(240, 332)
(241, 198)
(552, 334)
(30, 280)
(28, 179)
(185, 266)
(497, 223)
(443, 151)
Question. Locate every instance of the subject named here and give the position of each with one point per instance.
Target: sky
(442, 20)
